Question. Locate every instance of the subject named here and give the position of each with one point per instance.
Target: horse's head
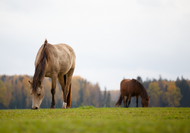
(145, 102)
(37, 95)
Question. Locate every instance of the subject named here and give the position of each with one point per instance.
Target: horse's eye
(39, 94)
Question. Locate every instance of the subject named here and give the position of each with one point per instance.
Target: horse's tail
(69, 97)
(119, 101)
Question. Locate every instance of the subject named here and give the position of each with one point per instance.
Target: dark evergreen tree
(185, 91)
(108, 100)
(80, 102)
(139, 79)
(104, 97)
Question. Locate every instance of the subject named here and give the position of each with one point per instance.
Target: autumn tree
(155, 93)
(75, 91)
(81, 93)
(19, 94)
(163, 87)
(95, 95)
(173, 95)
(47, 88)
(2, 93)
(8, 94)
(86, 93)
(26, 90)
(17, 100)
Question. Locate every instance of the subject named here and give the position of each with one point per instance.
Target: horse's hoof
(64, 105)
(52, 107)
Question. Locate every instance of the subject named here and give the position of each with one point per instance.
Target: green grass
(90, 119)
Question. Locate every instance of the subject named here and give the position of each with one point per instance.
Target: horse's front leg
(54, 78)
(137, 97)
(129, 98)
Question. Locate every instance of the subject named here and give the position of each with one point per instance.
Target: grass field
(90, 119)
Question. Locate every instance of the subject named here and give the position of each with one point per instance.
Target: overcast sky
(112, 39)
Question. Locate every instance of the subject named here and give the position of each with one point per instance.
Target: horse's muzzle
(34, 108)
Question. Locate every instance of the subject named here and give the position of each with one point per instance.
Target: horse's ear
(45, 41)
(30, 82)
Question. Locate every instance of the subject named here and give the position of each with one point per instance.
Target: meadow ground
(90, 119)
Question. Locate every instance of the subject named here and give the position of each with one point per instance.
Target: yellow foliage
(26, 90)
(75, 88)
(173, 95)
(8, 93)
(2, 93)
(155, 93)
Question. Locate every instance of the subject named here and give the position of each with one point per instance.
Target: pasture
(90, 119)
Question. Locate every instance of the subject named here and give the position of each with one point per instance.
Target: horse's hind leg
(62, 83)
(123, 97)
(67, 86)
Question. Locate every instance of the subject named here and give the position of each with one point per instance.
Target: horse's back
(61, 58)
(57, 51)
(129, 87)
(64, 48)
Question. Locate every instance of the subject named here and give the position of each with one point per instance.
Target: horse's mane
(40, 67)
(141, 86)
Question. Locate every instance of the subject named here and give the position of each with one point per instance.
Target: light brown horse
(57, 62)
(131, 88)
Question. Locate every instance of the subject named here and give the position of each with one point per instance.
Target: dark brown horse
(131, 88)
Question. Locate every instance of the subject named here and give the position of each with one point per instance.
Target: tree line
(15, 93)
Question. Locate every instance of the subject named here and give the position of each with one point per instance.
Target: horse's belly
(56, 68)
(48, 75)
(64, 70)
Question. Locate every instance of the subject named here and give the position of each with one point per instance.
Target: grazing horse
(131, 88)
(57, 62)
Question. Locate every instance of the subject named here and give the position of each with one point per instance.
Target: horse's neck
(39, 73)
(42, 79)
